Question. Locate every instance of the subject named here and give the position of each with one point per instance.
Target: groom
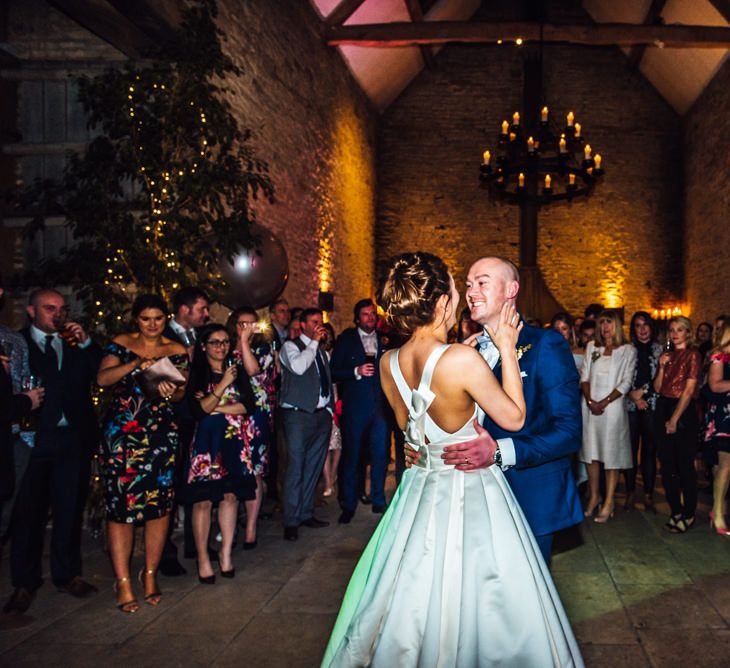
(536, 459)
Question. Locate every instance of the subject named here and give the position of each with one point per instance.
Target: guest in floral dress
(138, 447)
(717, 433)
(221, 399)
(243, 324)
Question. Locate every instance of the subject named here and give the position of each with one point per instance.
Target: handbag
(150, 379)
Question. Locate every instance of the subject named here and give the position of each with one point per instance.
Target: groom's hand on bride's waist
(470, 455)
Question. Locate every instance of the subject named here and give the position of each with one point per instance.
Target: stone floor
(636, 596)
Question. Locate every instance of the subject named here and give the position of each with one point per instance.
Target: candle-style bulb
(505, 127)
(530, 144)
(577, 129)
(548, 181)
(487, 157)
(521, 180)
(597, 160)
(587, 152)
(516, 118)
(563, 145)
(571, 179)
(544, 115)
(571, 118)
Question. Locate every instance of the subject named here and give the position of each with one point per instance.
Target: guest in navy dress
(139, 445)
(221, 399)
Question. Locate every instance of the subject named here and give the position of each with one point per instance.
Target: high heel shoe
(602, 517)
(591, 509)
(132, 605)
(155, 597)
(250, 544)
(204, 580)
(718, 530)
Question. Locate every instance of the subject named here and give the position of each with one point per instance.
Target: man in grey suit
(307, 402)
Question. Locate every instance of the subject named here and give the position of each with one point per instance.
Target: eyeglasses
(218, 343)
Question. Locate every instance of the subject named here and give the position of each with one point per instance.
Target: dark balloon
(255, 278)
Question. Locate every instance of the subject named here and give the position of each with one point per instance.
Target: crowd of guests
(206, 417)
(211, 418)
(663, 393)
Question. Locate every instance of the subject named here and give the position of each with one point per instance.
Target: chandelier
(543, 166)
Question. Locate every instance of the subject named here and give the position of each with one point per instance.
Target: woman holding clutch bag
(221, 398)
(139, 444)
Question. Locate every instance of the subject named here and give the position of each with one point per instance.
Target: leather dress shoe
(77, 587)
(366, 499)
(291, 533)
(19, 601)
(314, 523)
(346, 517)
(379, 509)
(171, 567)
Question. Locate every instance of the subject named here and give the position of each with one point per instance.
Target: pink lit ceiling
(680, 75)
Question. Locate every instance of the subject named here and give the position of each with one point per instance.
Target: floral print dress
(717, 418)
(220, 458)
(263, 385)
(140, 439)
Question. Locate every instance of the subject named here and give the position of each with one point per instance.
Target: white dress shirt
(490, 353)
(182, 332)
(298, 361)
(370, 345)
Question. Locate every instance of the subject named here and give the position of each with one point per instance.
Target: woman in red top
(677, 423)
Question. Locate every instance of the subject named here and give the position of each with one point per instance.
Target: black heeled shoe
(228, 574)
(249, 545)
(208, 579)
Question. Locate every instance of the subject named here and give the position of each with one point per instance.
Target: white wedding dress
(452, 575)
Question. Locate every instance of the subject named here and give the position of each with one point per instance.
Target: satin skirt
(452, 577)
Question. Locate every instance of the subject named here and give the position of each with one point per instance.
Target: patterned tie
(324, 384)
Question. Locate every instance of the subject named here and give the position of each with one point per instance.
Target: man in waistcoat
(307, 402)
(57, 476)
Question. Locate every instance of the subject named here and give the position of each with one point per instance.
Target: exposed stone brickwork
(622, 245)
(707, 200)
(313, 125)
(310, 122)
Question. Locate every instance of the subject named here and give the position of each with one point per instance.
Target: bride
(452, 575)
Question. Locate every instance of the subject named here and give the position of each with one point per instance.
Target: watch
(498, 457)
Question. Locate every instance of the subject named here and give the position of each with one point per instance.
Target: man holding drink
(57, 475)
(364, 425)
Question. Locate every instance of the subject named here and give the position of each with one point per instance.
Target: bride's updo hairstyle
(413, 284)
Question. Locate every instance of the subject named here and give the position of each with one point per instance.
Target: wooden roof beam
(653, 16)
(602, 34)
(416, 13)
(723, 7)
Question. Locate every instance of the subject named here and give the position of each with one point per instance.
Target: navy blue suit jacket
(365, 395)
(542, 479)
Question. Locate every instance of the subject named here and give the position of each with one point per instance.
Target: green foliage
(165, 189)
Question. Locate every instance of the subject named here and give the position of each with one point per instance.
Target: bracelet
(216, 396)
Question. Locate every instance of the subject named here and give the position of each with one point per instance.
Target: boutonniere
(596, 354)
(521, 350)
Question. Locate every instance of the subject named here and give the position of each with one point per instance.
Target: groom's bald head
(490, 283)
(511, 273)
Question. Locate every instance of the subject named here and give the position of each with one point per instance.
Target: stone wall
(312, 124)
(619, 247)
(707, 200)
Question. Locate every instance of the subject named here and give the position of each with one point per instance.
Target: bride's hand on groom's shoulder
(472, 340)
(508, 330)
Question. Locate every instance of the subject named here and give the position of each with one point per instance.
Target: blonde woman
(606, 376)
(677, 382)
